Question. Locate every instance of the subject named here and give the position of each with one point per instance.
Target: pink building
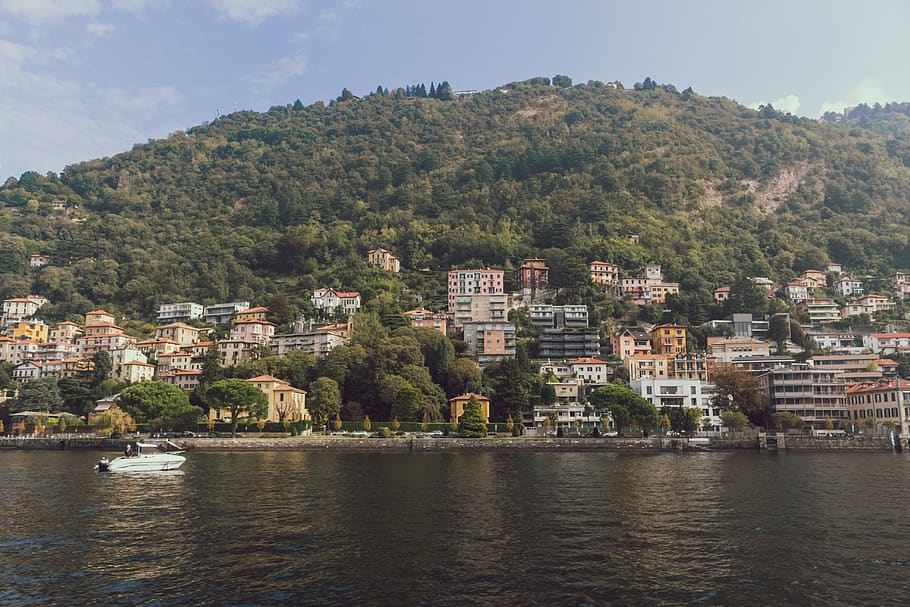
(473, 282)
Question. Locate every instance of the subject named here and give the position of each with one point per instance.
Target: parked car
(358, 433)
(339, 433)
(434, 434)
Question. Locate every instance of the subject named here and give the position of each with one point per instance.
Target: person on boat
(128, 450)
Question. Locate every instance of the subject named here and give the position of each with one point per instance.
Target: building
(427, 319)
(853, 367)
(887, 343)
(901, 282)
(18, 308)
(692, 365)
(845, 286)
(797, 290)
(35, 330)
(331, 302)
(604, 273)
(221, 314)
(490, 342)
(569, 416)
(473, 282)
(257, 313)
(819, 311)
(481, 307)
(814, 394)
(832, 340)
(259, 331)
(647, 366)
(649, 286)
(178, 332)
(814, 279)
(286, 403)
(885, 402)
(458, 404)
(630, 342)
(533, 275)
(64, 331)
(680, 393)
(568, 343)
(99, 317)
(318, 342)
(384, 260)
(180, 312)
(867, 304)
(590, 370)
(38, 261)
(135, 371)
(721, 294)
(559, 317)
(727, 349)
(669, 339)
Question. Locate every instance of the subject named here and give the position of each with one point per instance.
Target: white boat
(148, 457)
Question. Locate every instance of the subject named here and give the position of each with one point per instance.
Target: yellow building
(34, 330)
(286, 403)
(669, 339)
(457, 405)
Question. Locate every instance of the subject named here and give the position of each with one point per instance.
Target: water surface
(494, 528)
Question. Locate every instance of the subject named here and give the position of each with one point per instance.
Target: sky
(85, 79)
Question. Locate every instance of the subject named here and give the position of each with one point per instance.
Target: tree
(367, 424)
(786, 420)
(737, 390)
(562, 81)
(40, 394)
(102, 367)
(402, 399)
(113, 420)
(160, 404)
(734, 420)
(471, 423)
(464, 376)
(626, 407)
(324, 399)
(240, 398)
(337, 423)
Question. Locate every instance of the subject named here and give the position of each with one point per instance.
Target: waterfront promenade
(415, 444)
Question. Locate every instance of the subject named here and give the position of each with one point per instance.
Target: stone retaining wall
(406, 444)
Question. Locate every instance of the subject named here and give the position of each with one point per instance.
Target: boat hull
(143, 463)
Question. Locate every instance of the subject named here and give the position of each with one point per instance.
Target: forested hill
(268, 206)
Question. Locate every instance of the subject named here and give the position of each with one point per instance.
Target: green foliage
(159, 404)
(239, 398)
(40, 394)
(738, 390)
(785, 420)
(304, 192)
(734, 420)
(627, 408)
(323, 399)
(471, 423)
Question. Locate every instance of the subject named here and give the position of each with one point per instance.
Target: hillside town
(834, 379)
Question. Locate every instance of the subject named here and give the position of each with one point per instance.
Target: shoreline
(414, 444)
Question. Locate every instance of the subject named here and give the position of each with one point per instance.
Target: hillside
(268, 206)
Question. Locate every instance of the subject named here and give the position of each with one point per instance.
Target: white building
(330, 301)
(180, 312)
(688, 393)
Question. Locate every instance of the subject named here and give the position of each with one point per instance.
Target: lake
(489, 528)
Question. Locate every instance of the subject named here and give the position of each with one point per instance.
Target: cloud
(13, 55)
(253, 12)
(101, 30)
(280, 72)
(49, 10)
(138, 7)
(788, 104)
(49, 120)
(867, 91)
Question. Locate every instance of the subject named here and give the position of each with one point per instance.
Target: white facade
(688, 393)
(177, 312)
(330, 300)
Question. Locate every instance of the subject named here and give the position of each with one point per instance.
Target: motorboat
(147, 457)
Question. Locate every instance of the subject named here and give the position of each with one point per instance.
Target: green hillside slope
(268, 206)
